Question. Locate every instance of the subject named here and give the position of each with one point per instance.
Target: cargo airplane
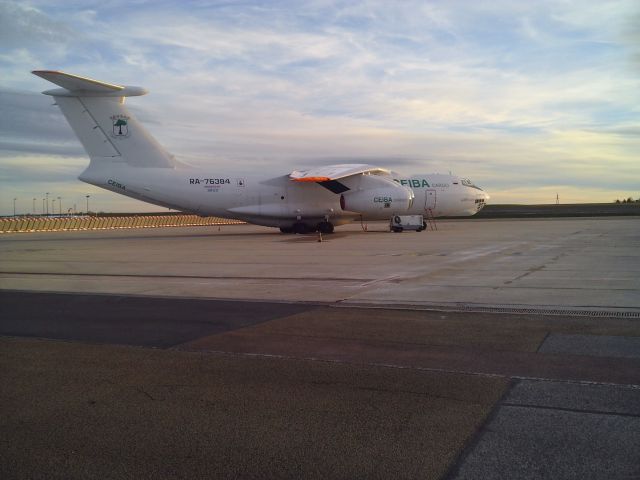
(126, 159)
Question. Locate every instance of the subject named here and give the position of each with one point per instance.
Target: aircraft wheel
(325, 227)
(300, 228)
(286, 229)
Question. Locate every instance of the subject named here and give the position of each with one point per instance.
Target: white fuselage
(127, 160)
(276, 201)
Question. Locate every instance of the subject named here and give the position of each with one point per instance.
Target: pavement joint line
(423, 345)
(525, 274)
(631, 386)
(334, 361)
(472, 441)
(571, 410)
(310, 303)
(578, 310)
(546, 335)
(183, 348)
(380, 280)
(383, 342)
(456, 307)
(318, 279)
(525, 287)
(82, 342)
(207, 277)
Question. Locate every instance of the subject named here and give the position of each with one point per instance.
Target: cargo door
(430, 199)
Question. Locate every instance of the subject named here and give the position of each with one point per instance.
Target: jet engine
(377, 195)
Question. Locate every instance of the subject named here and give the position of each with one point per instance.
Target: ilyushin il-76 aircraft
(126, 159)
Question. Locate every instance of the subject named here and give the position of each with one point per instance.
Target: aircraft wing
(335, 172)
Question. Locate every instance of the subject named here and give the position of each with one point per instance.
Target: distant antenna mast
(557, 199)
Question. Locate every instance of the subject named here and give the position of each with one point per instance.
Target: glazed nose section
(481, 200)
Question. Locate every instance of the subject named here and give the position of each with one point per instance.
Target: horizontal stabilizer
(76, 82)
(77, 86)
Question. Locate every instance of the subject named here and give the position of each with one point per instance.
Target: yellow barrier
(45, 224)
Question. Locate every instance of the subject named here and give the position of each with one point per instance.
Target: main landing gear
(325, 227)
(301, 227)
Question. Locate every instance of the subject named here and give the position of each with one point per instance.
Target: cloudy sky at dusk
(528, 99)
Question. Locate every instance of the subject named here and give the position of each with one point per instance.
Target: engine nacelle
(377, 195)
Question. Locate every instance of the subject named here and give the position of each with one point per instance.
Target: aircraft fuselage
(277, 201)
(126, 159)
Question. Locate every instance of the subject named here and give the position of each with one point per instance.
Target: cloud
(22, 26)
(39, 168)
(42, 148)
(29, 123)
(512, 94)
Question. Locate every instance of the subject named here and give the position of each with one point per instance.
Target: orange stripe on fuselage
(311, 179)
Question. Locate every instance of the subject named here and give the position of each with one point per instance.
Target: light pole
(34, 206)
(53, 206)
(47, 194)
(14, 207)
(43, 206)
(87, 203)
(60, 205)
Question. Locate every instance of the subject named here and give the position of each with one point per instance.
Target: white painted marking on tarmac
(380, 280)
(466, 255)
(406, 367)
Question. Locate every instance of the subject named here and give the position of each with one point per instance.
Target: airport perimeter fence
(51, 224)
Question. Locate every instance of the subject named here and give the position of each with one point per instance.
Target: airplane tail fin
(107, 130)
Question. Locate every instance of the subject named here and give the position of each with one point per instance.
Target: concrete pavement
(487, 349)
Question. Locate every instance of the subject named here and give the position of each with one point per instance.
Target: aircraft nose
(481, 200)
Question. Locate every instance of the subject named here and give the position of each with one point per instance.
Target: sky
(527, 99)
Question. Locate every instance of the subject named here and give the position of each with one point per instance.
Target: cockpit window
(468, 183)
